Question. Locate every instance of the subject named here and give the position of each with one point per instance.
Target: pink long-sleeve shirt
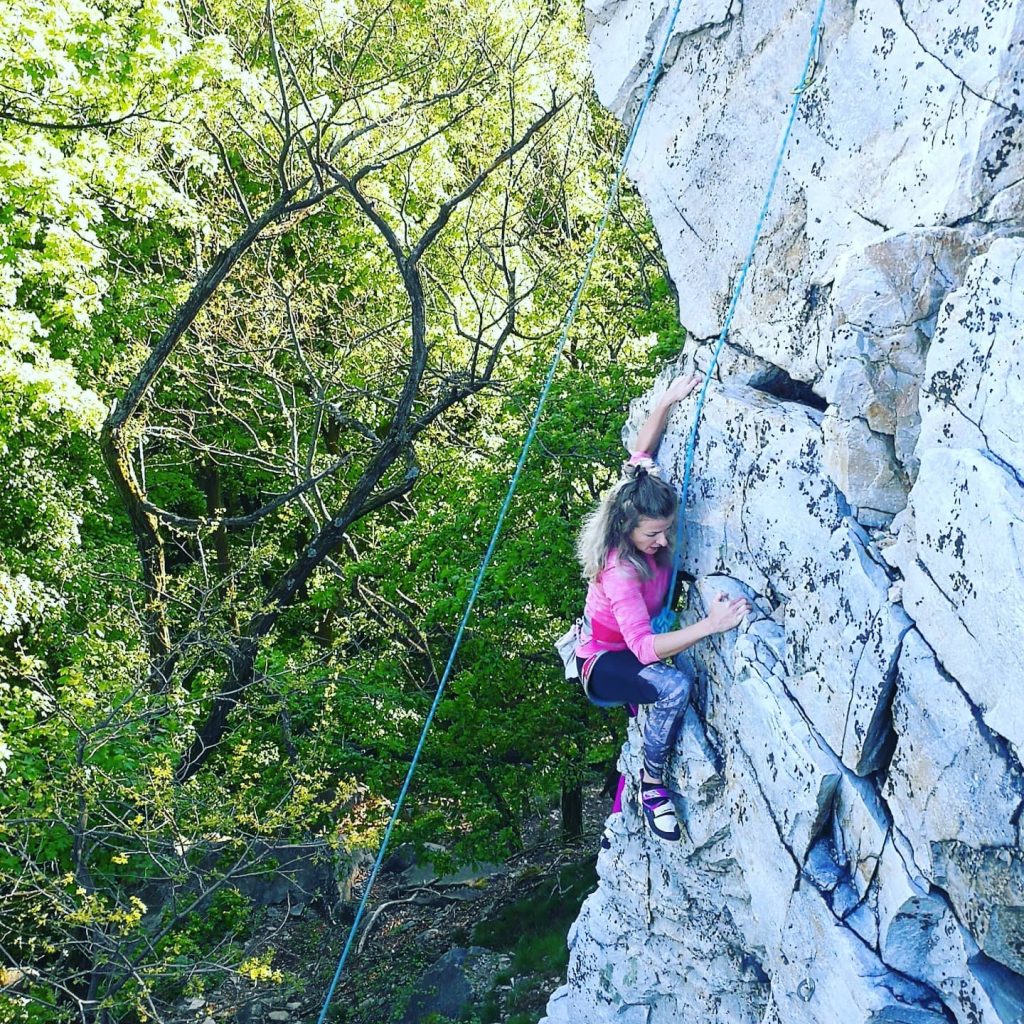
(620, 607)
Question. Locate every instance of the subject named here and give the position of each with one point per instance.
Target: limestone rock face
(850, 775)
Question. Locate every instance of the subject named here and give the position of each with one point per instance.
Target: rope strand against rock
(567, 323)
(666, 618)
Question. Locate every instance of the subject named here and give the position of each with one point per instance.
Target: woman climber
(625, 548)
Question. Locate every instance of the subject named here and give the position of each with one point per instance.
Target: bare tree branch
(452, 204)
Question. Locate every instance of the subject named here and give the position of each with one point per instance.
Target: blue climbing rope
(567, 323)
(665, 619)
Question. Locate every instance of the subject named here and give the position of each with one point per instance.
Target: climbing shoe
(659, 812)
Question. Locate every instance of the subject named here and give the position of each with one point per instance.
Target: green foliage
(135, 144)
(534, 929)
(661, 318)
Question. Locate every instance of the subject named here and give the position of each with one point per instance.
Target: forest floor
(520, 910)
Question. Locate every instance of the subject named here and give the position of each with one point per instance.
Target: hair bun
(639, 468)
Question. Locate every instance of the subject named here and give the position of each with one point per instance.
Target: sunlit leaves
(136, 142)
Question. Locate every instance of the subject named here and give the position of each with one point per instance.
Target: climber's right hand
(725, 614)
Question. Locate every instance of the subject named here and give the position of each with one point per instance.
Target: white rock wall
(851, 777)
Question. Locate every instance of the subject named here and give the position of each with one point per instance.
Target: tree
(297, 264)
(416, 392)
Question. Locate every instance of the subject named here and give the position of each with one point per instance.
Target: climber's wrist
(708, 627)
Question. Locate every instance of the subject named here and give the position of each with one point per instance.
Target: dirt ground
(408, 926)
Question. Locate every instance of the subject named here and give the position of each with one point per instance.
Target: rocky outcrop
(449, 987)
(851, 775)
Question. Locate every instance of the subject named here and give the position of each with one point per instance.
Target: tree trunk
(571, 806)
(214, 491)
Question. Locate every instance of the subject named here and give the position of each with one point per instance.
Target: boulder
(949, 778)
(829, 973)
(960, 554)
(924, 940)
(973, 394)
(451, 985)
(986, 889)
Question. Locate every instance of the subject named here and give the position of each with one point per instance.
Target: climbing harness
(665, 620)
(567, 323)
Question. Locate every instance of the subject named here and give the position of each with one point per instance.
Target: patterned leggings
(620, 677)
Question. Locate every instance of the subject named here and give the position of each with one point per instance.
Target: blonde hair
(638, 494)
